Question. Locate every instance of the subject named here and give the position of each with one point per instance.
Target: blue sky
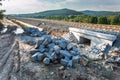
(31, 6)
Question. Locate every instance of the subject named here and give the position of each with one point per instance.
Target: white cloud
(26, 6)
(71, 0)
(107, 8)
(31, 6)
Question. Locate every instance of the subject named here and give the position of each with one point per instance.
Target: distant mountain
(66, 12)
(59, 12)
(99, 13)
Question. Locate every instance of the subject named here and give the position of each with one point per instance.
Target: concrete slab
(95, 37)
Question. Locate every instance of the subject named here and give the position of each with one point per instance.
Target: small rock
(45, 42)
(46, 61)
(61, 68)
(35, 57)
(48, 37)
(117, 60)
(42, 48)
(67, 58)
(76, 59)
(75, 49)
(57, 49)
(39, 42)
(52, 73)
(110, 60)
(40, 57)
(51, 50)
(65, 53)
(62, 44)
(69, 46)
(81, 45)
(64, 62)
(33, 51)
(48, 55)
(51, 45)
(70, 64)
(84, 61)
(55, 40)
(114, 53)
(73, 53)
(54, 56)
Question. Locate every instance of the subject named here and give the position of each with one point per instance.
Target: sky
(31, 6)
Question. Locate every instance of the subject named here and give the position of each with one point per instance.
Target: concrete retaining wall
(95, 37)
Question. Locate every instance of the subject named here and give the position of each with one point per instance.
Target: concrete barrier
(94, 37)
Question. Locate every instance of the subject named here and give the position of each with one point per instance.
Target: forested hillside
(96, 17)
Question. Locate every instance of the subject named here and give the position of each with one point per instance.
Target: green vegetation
(1, 15)
(1, 11)
(112, 20)
(99, 13)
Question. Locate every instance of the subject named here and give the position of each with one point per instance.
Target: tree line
(112, 20)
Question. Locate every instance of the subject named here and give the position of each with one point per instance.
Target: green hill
(66, 12)
(99, 13)
(59, 12)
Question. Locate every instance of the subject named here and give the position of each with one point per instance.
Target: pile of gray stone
(34, 32)
(49, 49)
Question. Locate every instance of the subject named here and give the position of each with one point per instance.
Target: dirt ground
(15, 64)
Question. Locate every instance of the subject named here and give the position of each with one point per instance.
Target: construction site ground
(15, 63)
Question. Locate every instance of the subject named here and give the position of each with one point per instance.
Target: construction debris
(51, 49)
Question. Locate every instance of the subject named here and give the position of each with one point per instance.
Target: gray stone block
(45, 42)
(40, 57)
(47, 37)
(42, 48)
(64, 62)
(51, 50)
(57, 49)
(65, 53)
(46, 61)
(69, 46)
(63, 45)
(51, 45)
(75, 49)
(73, 53)
(33, 51)
(53, 56)
(40, 41)
(34, 57)
(67, 58)
(48, 55)
(76, 59)
(70, 63)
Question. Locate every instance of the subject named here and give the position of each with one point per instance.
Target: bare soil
(15, 64)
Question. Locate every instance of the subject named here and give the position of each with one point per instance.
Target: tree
(94, 20)
(102, 20)
(1, 11)
(115, 20)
